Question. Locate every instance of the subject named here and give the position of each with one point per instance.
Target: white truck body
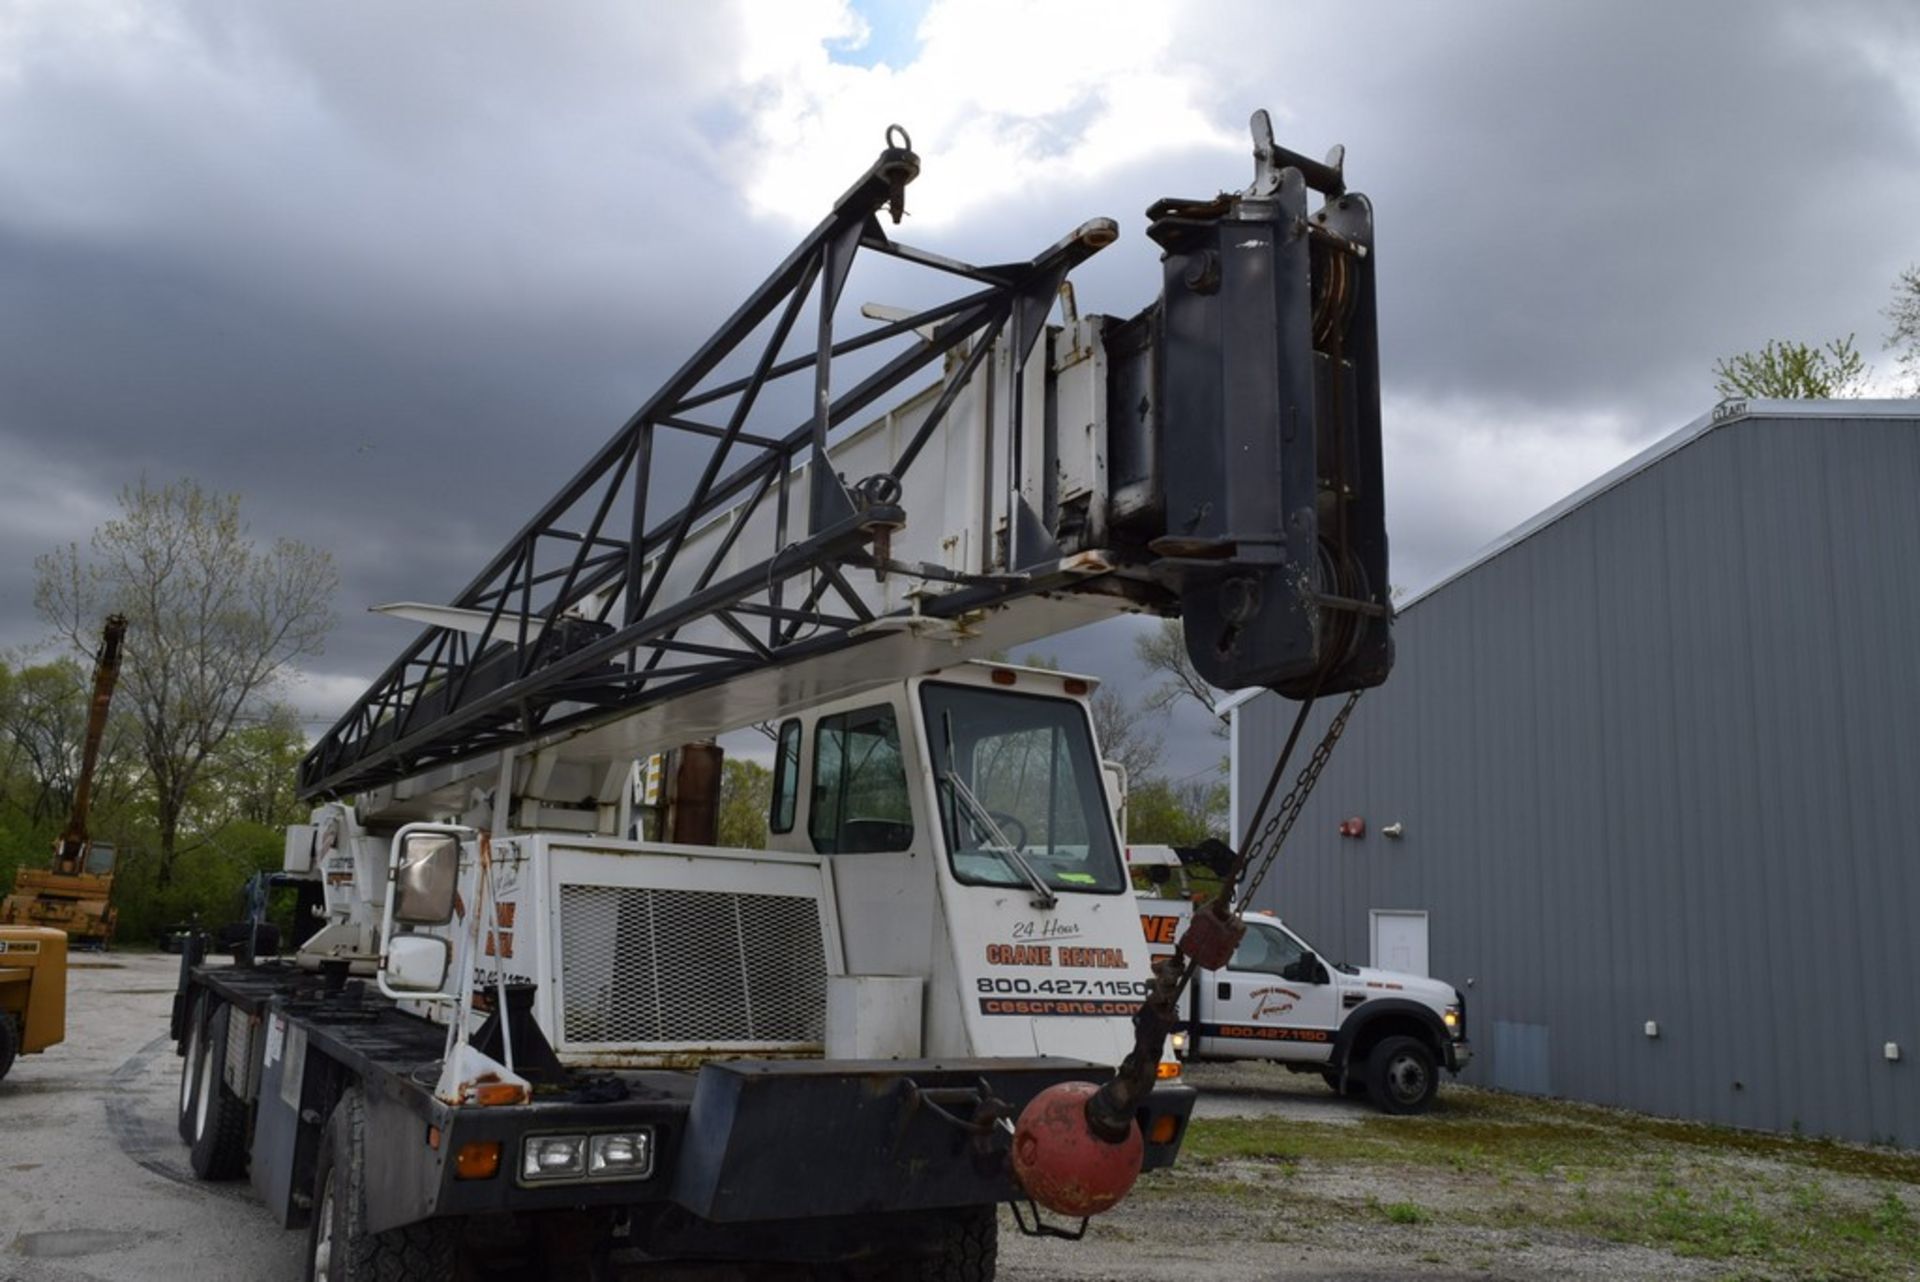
(649, 954)
(1280, 999)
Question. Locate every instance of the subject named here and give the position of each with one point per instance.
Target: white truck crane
(524, 1039)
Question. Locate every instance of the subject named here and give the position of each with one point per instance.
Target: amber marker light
(1168, 1068)
(479, 1160)
(494, 1094)
(1165, 1128)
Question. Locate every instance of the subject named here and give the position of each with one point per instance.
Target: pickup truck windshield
(1029, 762)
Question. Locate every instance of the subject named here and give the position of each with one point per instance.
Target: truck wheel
(9, 1043)
(339, 1247)
(969, 1250)
(193, 1047)
(219, 1121)
(1402, 1075)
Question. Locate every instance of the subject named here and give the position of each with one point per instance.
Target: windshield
(1026, 766)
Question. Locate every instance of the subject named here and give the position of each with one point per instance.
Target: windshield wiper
(1043, 896)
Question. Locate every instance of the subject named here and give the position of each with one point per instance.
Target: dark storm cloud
(1585, 205)
(395, 271)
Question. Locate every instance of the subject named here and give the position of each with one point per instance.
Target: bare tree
(1118, 725)
(1904, 312)
(213, 622)
(1164, 652)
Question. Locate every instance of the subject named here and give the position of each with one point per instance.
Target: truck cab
(1381, 1033)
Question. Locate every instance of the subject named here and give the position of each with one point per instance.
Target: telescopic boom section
(70, 852)
(1216, 457)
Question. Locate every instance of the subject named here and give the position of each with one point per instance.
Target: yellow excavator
(75, 893)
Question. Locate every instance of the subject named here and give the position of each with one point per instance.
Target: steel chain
(1281, 822)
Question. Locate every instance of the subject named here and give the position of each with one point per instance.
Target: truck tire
(969, 1250)
(1402, 1075)
(219, 1122)
(9, 1043)
(339, 1247)
(193, 1044)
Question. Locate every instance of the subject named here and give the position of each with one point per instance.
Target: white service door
(1399, 941)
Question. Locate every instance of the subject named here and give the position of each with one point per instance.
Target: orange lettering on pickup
(1161, 930)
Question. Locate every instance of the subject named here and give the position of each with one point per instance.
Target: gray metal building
(1655, 756)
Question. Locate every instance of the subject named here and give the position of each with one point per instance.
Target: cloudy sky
(393, 270)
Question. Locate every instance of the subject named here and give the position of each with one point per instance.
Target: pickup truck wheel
(9, 1043)
(219, 1117)
(339, 1247)
(194, 1044)
(1402, 1075)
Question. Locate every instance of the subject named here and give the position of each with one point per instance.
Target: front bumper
(1459, 1055)
(748, 1141)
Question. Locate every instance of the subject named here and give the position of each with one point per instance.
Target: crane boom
(71, 850)
(1215, 457)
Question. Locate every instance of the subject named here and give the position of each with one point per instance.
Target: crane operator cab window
(1020, 790)
(860, 804)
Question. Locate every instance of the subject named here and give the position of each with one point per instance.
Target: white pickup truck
(1378, 1032)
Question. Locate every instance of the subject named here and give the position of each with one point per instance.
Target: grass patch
(1405, 1213)
(1761, 1204)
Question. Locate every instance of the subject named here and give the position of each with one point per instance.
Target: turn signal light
(1164, 1129)
(488, 1093)
(1168, 1068)
(479, 1160)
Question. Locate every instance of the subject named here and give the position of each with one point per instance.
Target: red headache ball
(1062, 1164)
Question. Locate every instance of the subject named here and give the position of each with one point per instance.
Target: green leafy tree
(746, 792)
(43, 727)
(214, 621)
(252, 778)
(1784, 370)
(1904, 338)
(1184, 813)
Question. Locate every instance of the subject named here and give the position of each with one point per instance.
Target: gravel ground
(1278, 1227)
(93, 1178)
(94, 1185)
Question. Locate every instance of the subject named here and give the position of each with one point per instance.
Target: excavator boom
(75, 893)
(70, 850)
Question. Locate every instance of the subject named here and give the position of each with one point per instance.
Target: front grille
(683, 968)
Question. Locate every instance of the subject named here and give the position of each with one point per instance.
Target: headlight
(623, 1155)
(1451, 1018)
(1177, 1043)
(553, 1157)
(611, 1155)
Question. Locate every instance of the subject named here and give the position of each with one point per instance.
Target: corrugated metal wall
(1660, 761)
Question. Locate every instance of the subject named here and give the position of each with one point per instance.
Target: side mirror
(426, 872)
(416, 964)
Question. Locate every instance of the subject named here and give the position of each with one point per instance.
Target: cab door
(1271, 1001)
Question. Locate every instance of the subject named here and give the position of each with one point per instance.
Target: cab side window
(859, 802)
(786, 777)
(1266, 951)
